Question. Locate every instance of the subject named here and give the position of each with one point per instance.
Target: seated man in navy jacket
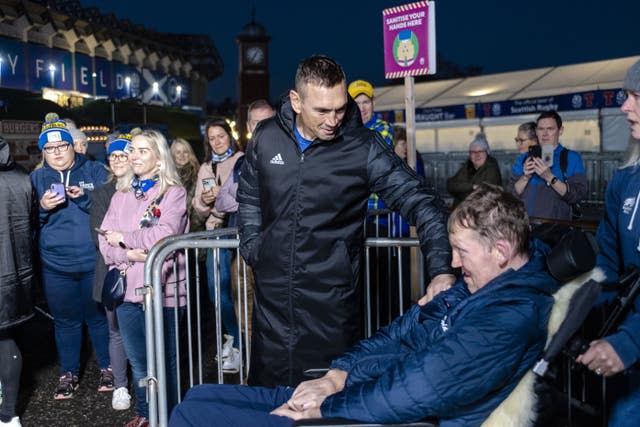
(456, 358)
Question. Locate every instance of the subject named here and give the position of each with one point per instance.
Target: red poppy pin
(156, 212)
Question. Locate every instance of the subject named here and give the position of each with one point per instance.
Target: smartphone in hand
(535, 151)
(547, 154)
(208, 183)
(57, 188)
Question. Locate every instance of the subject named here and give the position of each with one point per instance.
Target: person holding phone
(221, 152)
(67, 253)
(549, 188)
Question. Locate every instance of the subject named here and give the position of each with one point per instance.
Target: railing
(192, 244)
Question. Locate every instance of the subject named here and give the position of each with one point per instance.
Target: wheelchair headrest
(573, 255)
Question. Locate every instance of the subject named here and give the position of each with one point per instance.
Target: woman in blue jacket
(619, 240)
(67, 252)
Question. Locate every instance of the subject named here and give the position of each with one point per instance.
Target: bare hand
(208, 197)
(310, 394)
(601, 358)
(114, 238)
(286, 411)
(137, 255)
(529, 167)
(440, 283)
(540, 168)
(50, 200)
(74, 191)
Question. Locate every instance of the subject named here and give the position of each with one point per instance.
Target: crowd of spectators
(303, 186)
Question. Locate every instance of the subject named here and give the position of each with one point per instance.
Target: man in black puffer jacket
(303, 196)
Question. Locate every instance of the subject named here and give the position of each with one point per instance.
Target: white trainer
(227, 346)
(121, 399)
(15, 422)
(231, 364)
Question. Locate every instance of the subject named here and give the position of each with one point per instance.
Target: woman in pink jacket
(152, 207)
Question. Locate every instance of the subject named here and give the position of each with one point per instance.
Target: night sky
(498, 35)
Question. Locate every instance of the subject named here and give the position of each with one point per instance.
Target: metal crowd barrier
(194, 324)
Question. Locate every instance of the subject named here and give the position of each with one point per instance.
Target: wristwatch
(553, 181)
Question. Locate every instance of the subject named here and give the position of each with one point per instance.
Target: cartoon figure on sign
(405, 48)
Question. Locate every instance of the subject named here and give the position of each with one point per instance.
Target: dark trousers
(226, 405)
(70, 299)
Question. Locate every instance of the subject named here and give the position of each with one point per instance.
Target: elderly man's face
(257, 115)
(479, 264)
(80, 146)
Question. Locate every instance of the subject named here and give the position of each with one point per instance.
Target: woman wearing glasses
(68, 255)
(148, 208)
(120, 177)
(526, 137)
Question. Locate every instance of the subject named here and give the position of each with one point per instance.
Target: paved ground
(40, 373)
(39, 378)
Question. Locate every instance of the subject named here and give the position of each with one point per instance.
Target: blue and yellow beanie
(121, 143)
(53, 130)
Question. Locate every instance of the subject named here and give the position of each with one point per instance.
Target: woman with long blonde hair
(142, 212)
(188, 166)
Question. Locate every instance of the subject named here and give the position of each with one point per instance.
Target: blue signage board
(84, 71)
(49, 68)
(126, 81)
(567, 102)
(12, 64)
(177, 90)
(610, 98)
(102, 77)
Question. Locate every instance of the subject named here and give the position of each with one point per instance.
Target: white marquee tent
(450, 112)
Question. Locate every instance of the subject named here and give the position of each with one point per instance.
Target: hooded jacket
(456, 358)
(65, 242)
(618, 237)
(16, 262)
(301, 228)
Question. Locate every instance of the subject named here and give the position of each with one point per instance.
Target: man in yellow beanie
(362, 92)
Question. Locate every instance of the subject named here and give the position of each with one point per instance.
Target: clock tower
(253, 71)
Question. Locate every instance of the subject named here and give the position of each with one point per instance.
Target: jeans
(117, 354)
(227, 311)
(132, 324)
(226, 405)
(70, 299)
(625, 410)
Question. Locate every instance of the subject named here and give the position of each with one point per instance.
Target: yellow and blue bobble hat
(121, 143)
(53, 130)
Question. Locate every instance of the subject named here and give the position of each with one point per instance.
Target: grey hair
(530, 129)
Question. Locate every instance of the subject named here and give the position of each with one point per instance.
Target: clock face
(254, 55)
